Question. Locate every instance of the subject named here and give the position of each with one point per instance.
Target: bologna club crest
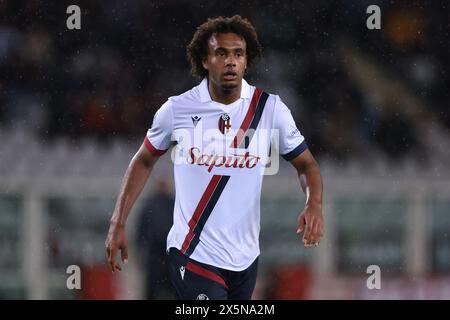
(224, 123)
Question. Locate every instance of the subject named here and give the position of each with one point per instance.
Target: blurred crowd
(351, 90)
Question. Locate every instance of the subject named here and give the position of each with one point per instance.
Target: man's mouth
(229, 76)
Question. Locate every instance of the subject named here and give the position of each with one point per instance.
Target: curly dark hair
(197, 49)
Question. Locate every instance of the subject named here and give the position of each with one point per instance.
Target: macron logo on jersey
(195, 120)
(182, 271)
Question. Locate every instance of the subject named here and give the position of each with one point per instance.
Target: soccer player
(218, 128)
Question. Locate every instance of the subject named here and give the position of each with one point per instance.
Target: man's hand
(312, 218)
(116, 240)
(132, 184)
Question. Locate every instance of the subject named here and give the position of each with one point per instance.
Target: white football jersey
(221, 153)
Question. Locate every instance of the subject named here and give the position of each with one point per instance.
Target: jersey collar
(204, 92)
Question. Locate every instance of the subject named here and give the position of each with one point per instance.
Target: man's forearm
(132, 184)
(311, 182)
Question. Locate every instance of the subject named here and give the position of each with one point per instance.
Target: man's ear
(204, 63)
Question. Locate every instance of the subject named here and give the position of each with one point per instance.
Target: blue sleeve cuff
(294, 153)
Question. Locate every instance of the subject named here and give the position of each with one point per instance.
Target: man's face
(227, 60)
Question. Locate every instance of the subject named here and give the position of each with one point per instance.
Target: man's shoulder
(190, 96)
(272, 98)
(274, 102)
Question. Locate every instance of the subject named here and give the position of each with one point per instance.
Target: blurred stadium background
(373, 105)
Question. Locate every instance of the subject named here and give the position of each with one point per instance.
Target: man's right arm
(133, 183)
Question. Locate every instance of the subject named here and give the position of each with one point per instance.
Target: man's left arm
(310, 220)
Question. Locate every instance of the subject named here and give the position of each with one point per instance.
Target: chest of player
(223, 137)
(215, 125)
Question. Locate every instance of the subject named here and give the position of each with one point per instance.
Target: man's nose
(230, 61)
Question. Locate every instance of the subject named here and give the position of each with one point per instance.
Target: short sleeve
(292, 142)
(159, 135)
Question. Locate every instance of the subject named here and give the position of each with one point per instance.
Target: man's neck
(224, 96)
